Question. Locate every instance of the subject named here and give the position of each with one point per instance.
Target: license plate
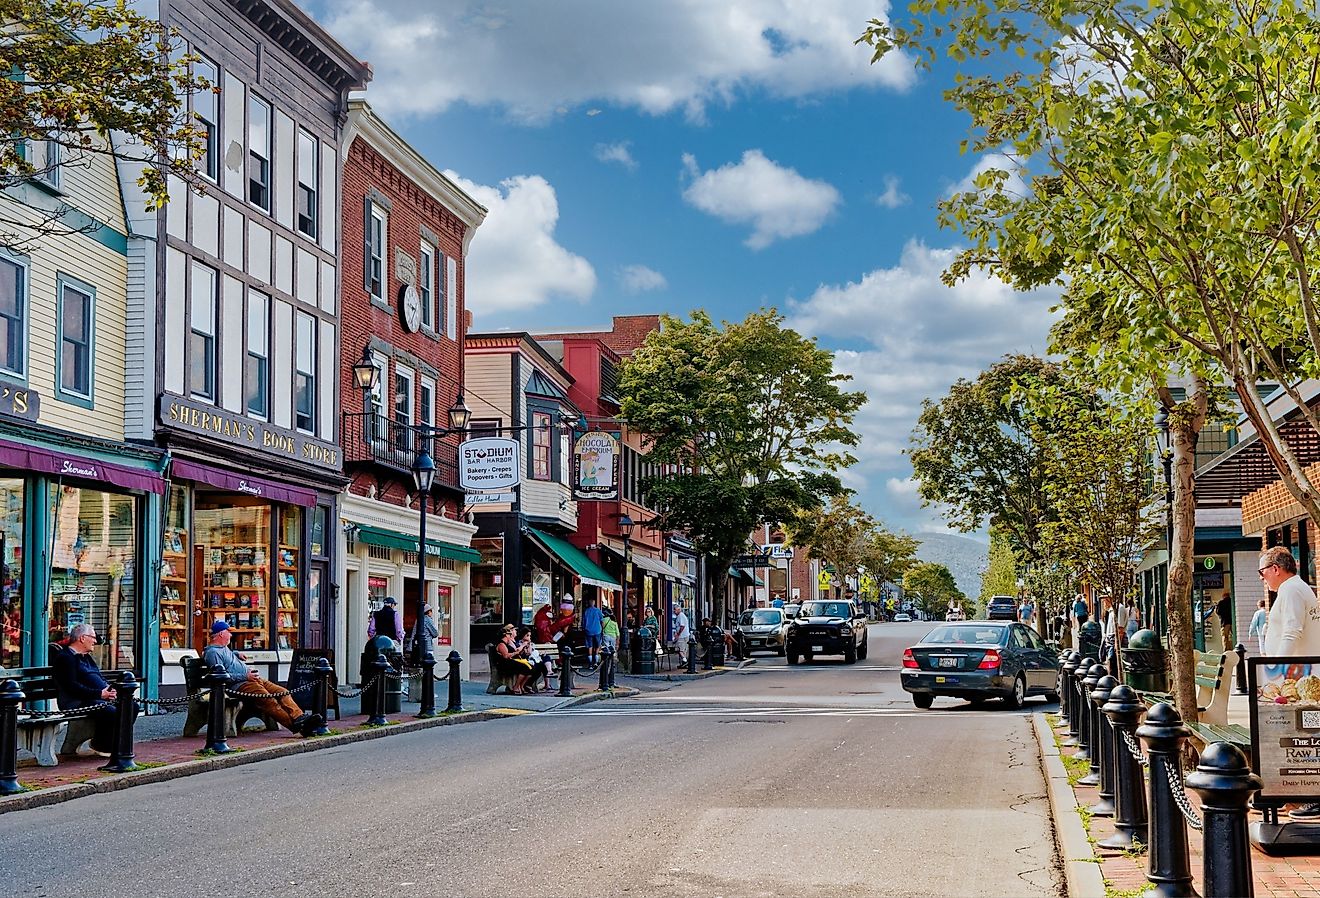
(947, 662)
(818, 648)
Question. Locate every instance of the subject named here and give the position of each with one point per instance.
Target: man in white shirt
(681, 633)
(1293, 625)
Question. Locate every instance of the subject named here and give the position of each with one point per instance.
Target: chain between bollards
(455, 683)
(121, 754)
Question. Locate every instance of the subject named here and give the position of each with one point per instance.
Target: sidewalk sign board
(302, 670)
(1284, 701)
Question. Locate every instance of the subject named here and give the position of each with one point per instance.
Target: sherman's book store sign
(596, 467)
(1285, 748)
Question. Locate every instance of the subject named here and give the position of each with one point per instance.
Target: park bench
(1214, 682)
(237, 711)
(38, 735)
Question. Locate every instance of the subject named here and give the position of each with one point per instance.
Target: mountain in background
(963, 556)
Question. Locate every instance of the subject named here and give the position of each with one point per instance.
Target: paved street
(821, 780)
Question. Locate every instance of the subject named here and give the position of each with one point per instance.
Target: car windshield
(824, 609)
(790, 610)
(762, 617)
(970, 634)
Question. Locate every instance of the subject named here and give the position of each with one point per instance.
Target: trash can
(643, 652)
(375, 647)
(1145, 663)
(716, 646)
(1089, 638)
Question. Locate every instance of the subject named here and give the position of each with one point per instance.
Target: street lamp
(365, 372)
(626, 526)
(423, 471)
(1165, 443)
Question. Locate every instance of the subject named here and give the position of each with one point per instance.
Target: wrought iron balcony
(375, 439)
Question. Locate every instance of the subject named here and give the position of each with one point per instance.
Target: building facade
(406, 232)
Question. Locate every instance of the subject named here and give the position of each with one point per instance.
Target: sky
(730, 156)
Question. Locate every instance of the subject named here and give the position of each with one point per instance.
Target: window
(426, 402)
(488, 427)
(257, 368)
(451, 297)
(12, 544)
(75, 357)
(376, 399)
(201, 344)
(13, 317)
(307, 183)
(443, 287)
(403, 407)
(304, 381)
(259, 152)
(374, 255)
(541, 445)
(206, 114)
(48, 167)
(426, 285)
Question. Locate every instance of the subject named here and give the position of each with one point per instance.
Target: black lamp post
(626, 531)
(1166, 458)
(423, 471)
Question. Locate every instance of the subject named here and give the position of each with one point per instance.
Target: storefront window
(290, 568)
(234, 545)
(93, 562)
(444, 618)
(174, 593)
(11, 572)
(377, 589)
(488, 582)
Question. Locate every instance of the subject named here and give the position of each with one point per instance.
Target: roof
(1247, 467)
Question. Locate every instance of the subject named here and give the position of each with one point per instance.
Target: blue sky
(691, 154)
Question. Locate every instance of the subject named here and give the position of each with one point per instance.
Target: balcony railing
(377, 439)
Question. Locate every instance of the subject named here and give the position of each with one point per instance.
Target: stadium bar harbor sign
(488, 467)
(596, 467)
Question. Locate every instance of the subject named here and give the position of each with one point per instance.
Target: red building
(406, 230)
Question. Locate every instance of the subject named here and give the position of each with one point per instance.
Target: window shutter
(366, 245)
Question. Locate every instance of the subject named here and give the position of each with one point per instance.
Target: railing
(377, 439)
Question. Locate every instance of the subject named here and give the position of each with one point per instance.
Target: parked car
(978, 660)
(826, 628)
(902, 618)
(760, 628)
(1001, 608)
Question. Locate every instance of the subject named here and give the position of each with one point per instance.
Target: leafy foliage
(1001, 573)
(932, 587)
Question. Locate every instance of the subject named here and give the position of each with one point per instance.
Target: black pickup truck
(833, 627)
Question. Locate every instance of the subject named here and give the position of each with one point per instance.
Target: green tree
(933, 588)
(837, 534)
(753, 420)
(89, 77)
(1001, 572)
(887, 555)
(976, 453)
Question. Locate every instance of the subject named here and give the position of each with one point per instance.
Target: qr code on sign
(1311, 720)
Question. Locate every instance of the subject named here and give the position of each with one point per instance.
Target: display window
(93, 564)
(444, 618)
(11, 572)
(174, 614)
(487, 597)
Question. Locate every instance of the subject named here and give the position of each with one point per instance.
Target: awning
(657, 566)
(746, 577)
(35, 458)
(583, 567)
(244, 483)
(393, 539)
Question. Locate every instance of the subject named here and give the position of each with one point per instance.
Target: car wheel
(780, 651)
(1052, 698)
(809, 658)
(850, 654)
(1019, 694)
(861, 653)
(923, 700)
(792, 657)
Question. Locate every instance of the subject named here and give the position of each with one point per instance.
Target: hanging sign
(596, 467)
(488, 464)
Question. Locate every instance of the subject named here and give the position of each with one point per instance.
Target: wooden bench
(1214, 683)
(497, 679)
(38, 735)
(1232, 733)
(237, 711)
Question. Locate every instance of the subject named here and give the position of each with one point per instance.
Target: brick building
(406, 230)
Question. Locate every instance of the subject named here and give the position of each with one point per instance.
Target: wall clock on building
(410, 307)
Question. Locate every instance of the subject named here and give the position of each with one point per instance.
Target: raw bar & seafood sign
(1285, 727)
(488, 464)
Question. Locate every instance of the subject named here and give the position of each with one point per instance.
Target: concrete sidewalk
(1094, 872)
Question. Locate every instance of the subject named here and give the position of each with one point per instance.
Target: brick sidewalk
(1125, 873)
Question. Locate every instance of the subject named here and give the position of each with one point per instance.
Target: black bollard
(692, 654)
(1124, 710)
(11, 696)
(1168, 864)
(1241, 673)
(565, 670)
(215, 718)
(606, 656)
(381, 667)
(625, 656)
(1103, 743)
(455, 683)
(1090, 713)
(1066, 696)
(614, 665)
(1225, 783)
(427, 697)
(121, 755)
(1086, 681)
(709, 662)
(321, 694)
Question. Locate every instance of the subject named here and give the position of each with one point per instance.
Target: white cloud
(616, 152)
(681, 55)
(913, 338)
(892, 197)
(1014, 185)
(776, 201)
(639, 279)
(514, 261)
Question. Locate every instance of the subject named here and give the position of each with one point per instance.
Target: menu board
(1284, 697)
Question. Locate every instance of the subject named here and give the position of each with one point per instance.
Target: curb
(617, 692)
(1080, 865)
(684, 677)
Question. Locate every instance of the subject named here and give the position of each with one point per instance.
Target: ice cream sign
(596, 467)
(488, 464)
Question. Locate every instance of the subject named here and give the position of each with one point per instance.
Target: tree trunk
(1182, 658)
(718, 586)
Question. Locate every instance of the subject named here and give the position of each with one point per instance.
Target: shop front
(77, 545)
(381, 560)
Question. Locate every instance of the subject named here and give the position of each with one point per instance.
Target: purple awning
(46, 461)
(244, 483)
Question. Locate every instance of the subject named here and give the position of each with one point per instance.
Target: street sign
(777, 550)
(488, 498)
(751, 561)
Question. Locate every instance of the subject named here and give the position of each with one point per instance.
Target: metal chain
(176, 703)
(1180, 795)
(235, 693)
(71, 714)
(1135, 749)
(354, 693)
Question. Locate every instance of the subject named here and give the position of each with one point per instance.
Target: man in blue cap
(273, 700)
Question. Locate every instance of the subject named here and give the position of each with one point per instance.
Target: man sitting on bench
(265, 694)
(80, 684)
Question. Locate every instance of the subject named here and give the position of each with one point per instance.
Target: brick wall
(626, 334)
(1272, 505)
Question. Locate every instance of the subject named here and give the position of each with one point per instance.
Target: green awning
(586, 570)
(393, 539)
(746, 577)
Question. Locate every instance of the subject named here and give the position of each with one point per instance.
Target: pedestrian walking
(609, 630)
(681, 633)
(386, 621)
(1257, 627)
(1027, 612)
(591, 629)
(1133, 618)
